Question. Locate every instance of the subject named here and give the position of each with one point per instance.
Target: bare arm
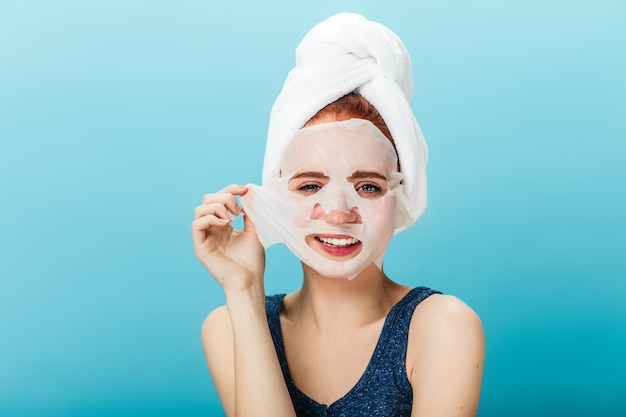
(236, 339)
(445, 358)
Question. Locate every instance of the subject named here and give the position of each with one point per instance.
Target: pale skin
(330, 326)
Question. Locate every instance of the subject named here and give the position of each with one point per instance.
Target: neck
(337, 302)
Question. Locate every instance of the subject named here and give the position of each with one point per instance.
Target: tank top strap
(273, 304)
(391, 350)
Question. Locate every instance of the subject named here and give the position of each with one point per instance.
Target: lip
(345, 249)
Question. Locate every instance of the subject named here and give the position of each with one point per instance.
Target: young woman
(350, 341)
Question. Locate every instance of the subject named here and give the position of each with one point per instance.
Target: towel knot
(350, 42)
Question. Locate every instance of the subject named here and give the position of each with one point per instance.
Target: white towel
(348, 53)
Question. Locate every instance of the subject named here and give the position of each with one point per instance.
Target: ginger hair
(352, 106)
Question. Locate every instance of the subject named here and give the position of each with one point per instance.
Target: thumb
(248, 225)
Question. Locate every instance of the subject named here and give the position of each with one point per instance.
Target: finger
(206, 222)
(226, 199)
(200, 227)
(197, 236)
(235, 189)
(216, 209)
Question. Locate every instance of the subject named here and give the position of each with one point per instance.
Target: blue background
(117, 116)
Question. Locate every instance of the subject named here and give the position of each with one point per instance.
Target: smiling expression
(340, 177)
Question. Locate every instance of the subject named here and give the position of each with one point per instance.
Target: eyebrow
(355, 175)
(367, 174)
(309, 174)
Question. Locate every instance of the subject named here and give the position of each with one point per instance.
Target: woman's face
(340, 179)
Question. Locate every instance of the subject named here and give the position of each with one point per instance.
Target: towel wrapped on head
(342, 54)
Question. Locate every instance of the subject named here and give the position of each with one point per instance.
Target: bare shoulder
(217, 321)
(216, 335)
(445, 357)
(442, 321)
(217, 342)
(445, 315)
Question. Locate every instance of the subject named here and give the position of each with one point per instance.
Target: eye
(309, 188)
(369, 189)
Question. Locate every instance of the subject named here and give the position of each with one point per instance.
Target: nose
(336, 217)
(339, 205)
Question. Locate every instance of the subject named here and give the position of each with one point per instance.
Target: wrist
(249, 298)
(237, 283)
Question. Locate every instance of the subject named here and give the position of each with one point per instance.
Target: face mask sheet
(349, 53)
(344, 207)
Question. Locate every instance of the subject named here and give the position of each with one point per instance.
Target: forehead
(345, 146)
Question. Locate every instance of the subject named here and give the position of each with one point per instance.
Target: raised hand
(235, 258)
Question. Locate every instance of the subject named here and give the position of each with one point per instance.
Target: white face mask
(339, 199)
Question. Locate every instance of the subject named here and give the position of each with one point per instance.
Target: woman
(344, 171)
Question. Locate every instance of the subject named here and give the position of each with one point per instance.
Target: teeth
(342, 243)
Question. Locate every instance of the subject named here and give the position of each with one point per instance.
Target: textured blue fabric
(384, 388)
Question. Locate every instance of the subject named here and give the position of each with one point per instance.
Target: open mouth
(337, 242)
(341, 246)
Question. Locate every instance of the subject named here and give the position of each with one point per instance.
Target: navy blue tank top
(384, 388)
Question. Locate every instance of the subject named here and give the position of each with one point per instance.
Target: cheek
(300, 209)
(379, 213)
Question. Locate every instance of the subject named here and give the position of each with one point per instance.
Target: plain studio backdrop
(117, 116)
